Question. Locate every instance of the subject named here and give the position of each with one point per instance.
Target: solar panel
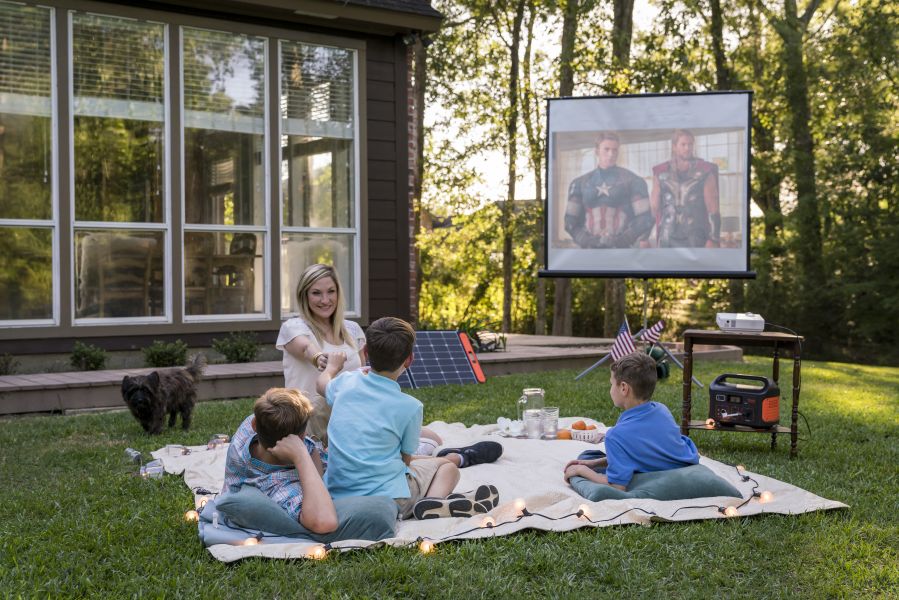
(441, 357)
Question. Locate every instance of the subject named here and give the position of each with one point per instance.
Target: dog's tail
(195, 365)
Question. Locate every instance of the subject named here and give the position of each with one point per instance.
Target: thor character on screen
(609, 206)
(685, 198)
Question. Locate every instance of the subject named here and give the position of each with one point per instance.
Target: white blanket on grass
(529, 470)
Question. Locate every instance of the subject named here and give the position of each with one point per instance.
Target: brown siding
(388, 167)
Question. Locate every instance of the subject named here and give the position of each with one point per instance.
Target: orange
(590, 426)
(563, 434)
(579, 425)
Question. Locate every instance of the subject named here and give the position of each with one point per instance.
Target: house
(167, 169)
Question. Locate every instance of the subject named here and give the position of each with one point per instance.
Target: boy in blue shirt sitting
(374, 431)
(644, 439)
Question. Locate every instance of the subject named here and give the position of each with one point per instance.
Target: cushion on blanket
(370, 518)
(695, 481)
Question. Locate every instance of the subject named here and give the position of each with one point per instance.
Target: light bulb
(250, 541)
(317, 553)
(585, 511)
(427, 546)
(740, 469)
(766, 497)
(710, 423)
(731, 511)
(191, 516)
(488, 522)
(519, 505)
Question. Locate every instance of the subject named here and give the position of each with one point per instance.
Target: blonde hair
(279, 413)
(310, 276)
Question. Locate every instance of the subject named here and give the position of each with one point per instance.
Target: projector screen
(648, 186)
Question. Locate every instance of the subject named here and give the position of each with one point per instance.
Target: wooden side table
(744, 338)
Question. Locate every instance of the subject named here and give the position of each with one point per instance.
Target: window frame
(64, 227)
(165, 226)
(356, 250)
(266, 228)
(53, 223)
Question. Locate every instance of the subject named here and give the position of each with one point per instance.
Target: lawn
(76, 522)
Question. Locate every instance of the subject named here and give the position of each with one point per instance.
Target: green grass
(75, 522)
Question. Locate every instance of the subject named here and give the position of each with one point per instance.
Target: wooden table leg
(688, 383)
(775, 375)
(794, 424)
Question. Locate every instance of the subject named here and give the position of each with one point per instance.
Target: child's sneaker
(481, 500)
(476, 454)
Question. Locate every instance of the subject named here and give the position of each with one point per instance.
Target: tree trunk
(512, 133)
(534, 133)
(724, 80)
(622, 32)
(615, 298)
(808, 243)
(562, 293)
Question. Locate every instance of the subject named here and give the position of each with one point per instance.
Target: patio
(99, 390)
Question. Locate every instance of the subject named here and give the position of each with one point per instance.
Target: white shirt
(302, 374)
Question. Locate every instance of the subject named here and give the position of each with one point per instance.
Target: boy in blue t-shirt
(645, 438)
(374, 431)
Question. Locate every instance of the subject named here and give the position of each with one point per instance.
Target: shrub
(87, 357)
(238, 347)
(8, 364)
(165, 354)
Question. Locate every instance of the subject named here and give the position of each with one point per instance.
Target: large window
(118, 125)
(225, 163)
(153, 154)
(27, 231)
(318, 186)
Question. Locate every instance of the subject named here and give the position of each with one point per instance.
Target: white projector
(740, 322)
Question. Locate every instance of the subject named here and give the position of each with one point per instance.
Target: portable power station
(754, 404)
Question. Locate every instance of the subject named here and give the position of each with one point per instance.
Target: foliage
(8, 364)
(87, 357)
(76, 502)
(165, 354)
(238, 347)
(850, 54)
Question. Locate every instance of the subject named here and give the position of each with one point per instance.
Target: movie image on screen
(648, 186)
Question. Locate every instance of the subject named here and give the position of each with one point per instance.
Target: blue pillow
(369, 518)
(695, 481)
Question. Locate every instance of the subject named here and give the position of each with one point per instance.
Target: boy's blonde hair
(280, 412)
(638, 370)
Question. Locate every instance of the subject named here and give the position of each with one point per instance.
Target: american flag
(624, 343)
(653, 334)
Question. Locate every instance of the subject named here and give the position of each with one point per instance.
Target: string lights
(319, 552)
(518, 509)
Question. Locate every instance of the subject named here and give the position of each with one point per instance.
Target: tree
(792, 29)
(562, 300)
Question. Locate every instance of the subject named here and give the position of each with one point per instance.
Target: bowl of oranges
(586, 432)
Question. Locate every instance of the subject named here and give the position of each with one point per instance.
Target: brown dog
(170, 391)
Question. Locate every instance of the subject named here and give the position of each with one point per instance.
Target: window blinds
(25, 67)
(118, 67)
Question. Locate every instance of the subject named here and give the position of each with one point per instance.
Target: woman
(320, 329)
